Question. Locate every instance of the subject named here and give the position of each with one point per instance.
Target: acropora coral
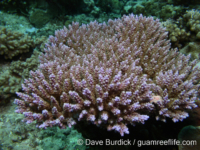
(111, 75)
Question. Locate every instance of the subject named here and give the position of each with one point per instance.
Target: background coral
(192, 18)
(177, 34)
(111, 75)
(192, 48)
(13, 76)
(158, 8)
(40, 12)
(13, 131)
(189, 133)
(11, 6)
(13, 43)
(184, 32)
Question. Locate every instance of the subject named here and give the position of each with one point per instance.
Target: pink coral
(107, 74)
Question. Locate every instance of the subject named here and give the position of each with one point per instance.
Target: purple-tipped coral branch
(111, 75)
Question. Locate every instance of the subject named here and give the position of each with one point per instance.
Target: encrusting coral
(111, 75)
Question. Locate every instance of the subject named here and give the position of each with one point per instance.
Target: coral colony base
(111, 75)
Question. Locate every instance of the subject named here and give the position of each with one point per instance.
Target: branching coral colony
(111, 75)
